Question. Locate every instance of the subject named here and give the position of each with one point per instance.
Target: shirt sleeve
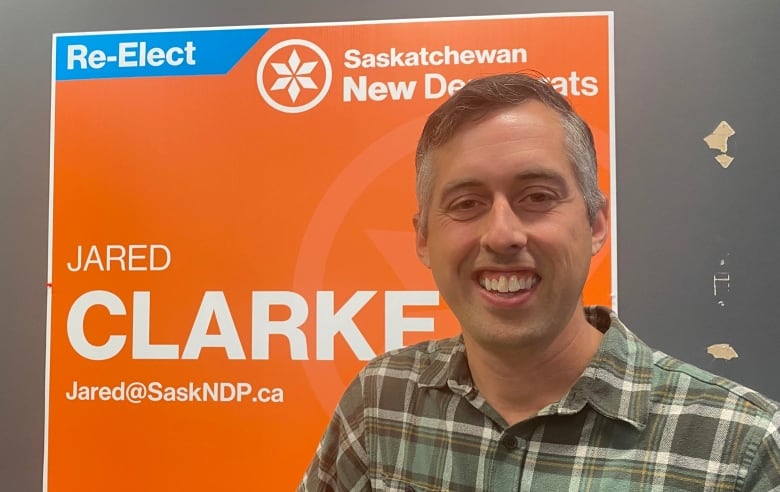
(764, 474)
(341, 461)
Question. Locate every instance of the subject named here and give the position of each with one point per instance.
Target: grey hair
(484, 95)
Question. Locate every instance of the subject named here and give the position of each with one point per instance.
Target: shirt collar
(447, 366)
(616, 383)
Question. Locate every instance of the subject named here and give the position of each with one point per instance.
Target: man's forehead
(529, 123)
(479, 116)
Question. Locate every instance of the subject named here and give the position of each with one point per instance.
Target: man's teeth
(502, 283)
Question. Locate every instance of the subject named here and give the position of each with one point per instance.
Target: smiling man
(538, 392)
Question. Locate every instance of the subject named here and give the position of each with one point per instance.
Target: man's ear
(599, 228)
(421, 240)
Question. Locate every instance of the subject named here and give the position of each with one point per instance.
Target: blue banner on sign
(151, 54)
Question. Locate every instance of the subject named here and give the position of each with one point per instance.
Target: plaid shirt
(636, 420)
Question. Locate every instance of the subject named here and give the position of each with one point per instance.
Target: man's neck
(518, 384)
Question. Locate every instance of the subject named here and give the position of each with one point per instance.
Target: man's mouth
(507, 282)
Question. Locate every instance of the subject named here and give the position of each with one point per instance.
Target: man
(538, 393)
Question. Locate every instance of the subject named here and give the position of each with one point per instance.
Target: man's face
(508, 239)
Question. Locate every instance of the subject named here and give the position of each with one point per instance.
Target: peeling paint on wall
(724, 160)
(720, 278)
(721, 282)
(719, 137)
(719, 140)
(722, 351)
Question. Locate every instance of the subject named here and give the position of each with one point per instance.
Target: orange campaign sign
(231, 235)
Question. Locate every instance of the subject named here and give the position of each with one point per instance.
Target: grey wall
(681, 67)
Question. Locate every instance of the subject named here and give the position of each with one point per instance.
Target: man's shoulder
(683, 383)
(677, 387)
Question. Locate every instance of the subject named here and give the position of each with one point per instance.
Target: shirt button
(509, 442)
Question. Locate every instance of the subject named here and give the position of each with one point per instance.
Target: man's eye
(465, 209)
(540, 197)
(464, 204)
(539, 201)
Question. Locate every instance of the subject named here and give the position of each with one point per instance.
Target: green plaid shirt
(636, 420)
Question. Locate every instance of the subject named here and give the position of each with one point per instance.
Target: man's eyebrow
(542, 175)
(460, 184)
(529, 175)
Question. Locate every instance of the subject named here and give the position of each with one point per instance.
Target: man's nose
(504, 232)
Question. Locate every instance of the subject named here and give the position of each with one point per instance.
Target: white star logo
(293, 75)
